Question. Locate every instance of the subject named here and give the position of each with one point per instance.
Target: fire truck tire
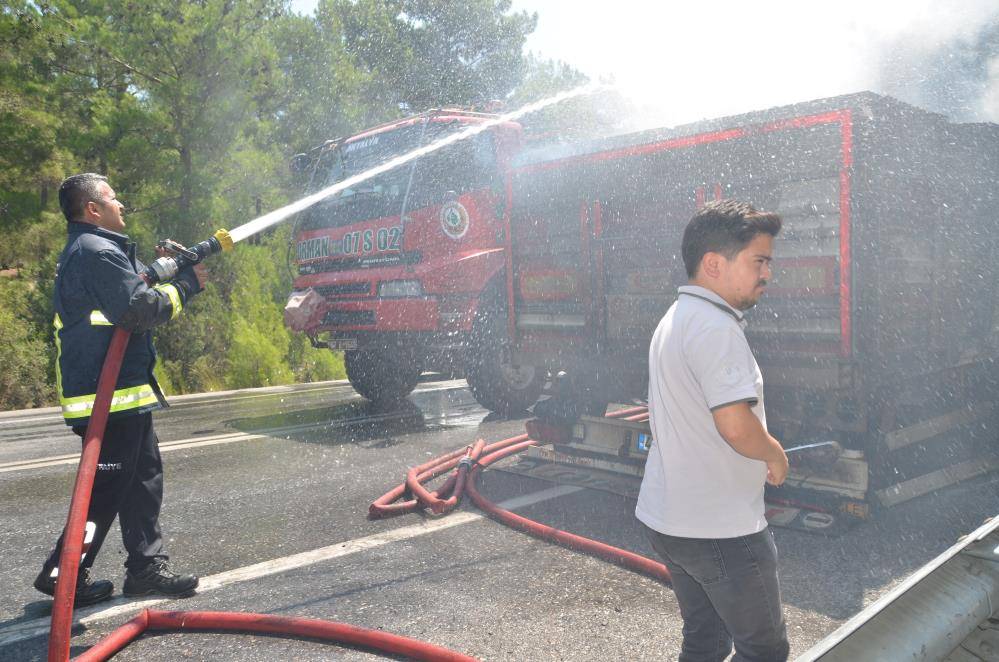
(495, 383)
(381, 377)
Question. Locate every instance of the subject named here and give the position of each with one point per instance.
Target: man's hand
(738, 426)
(777, 469)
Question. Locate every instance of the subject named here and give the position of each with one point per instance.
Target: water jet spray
(272, 218)
(178, 257)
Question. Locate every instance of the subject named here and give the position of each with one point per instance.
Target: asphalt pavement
(266, 499)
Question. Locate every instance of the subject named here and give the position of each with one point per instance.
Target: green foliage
(23, 353)
(427, 53)
(193, 109)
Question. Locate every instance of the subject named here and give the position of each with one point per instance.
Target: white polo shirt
(695, 484)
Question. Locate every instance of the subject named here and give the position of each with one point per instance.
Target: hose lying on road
(470, 462)
(310, 628)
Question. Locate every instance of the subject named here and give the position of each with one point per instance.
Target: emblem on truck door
(454, 219)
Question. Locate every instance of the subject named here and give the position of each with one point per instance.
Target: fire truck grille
(350, 318)
(344, 288)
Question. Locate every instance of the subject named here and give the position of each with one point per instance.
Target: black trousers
(129, 485)
(728, 590)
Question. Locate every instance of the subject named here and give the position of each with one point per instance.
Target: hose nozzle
(224, 240)
(167, 267)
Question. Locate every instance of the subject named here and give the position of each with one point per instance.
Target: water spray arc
(272, 218)
(179, 257)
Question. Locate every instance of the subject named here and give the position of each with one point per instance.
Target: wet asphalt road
(263, 476)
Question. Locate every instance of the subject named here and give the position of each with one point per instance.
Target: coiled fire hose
(469, 463)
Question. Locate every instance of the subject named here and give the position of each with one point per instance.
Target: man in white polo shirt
(702, 495)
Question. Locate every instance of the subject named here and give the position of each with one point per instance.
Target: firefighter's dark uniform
(97, 287)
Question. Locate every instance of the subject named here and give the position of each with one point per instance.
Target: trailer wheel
(382, 377)
(495, 383)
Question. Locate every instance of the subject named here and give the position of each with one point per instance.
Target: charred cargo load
(880, 327)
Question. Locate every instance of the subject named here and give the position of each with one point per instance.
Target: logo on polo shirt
(732, 374)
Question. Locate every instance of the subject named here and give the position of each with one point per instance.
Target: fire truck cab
(405, 269)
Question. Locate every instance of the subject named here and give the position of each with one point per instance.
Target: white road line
(121, 606)
(194, 442)
(165, 447)
(32, 419)
(24, 416)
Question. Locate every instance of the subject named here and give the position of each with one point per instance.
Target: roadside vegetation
(193, 110)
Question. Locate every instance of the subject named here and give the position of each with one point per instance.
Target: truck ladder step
(920, 485)
(936, 426)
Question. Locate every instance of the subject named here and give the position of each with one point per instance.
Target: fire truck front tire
(381, 377)
(495, 383)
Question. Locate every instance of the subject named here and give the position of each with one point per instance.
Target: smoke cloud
(683, 62)
(951, 69)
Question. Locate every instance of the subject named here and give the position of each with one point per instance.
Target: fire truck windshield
(461, 167)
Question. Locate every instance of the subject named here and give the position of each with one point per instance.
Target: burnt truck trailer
(879, 329)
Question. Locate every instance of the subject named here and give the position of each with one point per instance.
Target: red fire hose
(447, 496)
(310, 628)
(387, 505)
(616, 555)
(69, 558)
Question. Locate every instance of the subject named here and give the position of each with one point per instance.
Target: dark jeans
(129, 485)
(728, 590)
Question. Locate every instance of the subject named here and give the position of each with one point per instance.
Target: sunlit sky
(684, 61)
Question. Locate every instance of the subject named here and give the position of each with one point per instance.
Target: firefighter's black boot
(88, 591)
(157, 579)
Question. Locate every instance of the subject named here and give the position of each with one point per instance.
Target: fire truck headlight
(400, 288)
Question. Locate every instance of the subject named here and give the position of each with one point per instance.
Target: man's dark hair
(76, 191)
(726, 227)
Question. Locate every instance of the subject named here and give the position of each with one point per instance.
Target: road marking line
(194, 442)
(74, 457)
(121, 606)
(165, 447)
(24, 416)
(32, 419)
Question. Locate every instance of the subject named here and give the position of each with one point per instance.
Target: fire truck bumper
(382, 315)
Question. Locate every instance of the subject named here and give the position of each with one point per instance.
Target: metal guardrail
(943, 611)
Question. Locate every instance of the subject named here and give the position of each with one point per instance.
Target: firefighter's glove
(190, 281)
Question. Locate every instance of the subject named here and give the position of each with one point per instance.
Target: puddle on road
(361, 420)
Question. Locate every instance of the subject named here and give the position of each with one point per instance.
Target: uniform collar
(707, 295)
(75, 227)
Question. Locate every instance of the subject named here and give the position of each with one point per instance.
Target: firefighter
(98, 287)
(701, 498)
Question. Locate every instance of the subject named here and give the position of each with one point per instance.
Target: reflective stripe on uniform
(171, 291)
(97, 319)
(57, 323)
(123, 399)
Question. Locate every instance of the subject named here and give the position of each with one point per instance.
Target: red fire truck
(406, 269)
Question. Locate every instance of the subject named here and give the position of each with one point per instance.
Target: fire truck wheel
(381, 377)
(495, 383)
